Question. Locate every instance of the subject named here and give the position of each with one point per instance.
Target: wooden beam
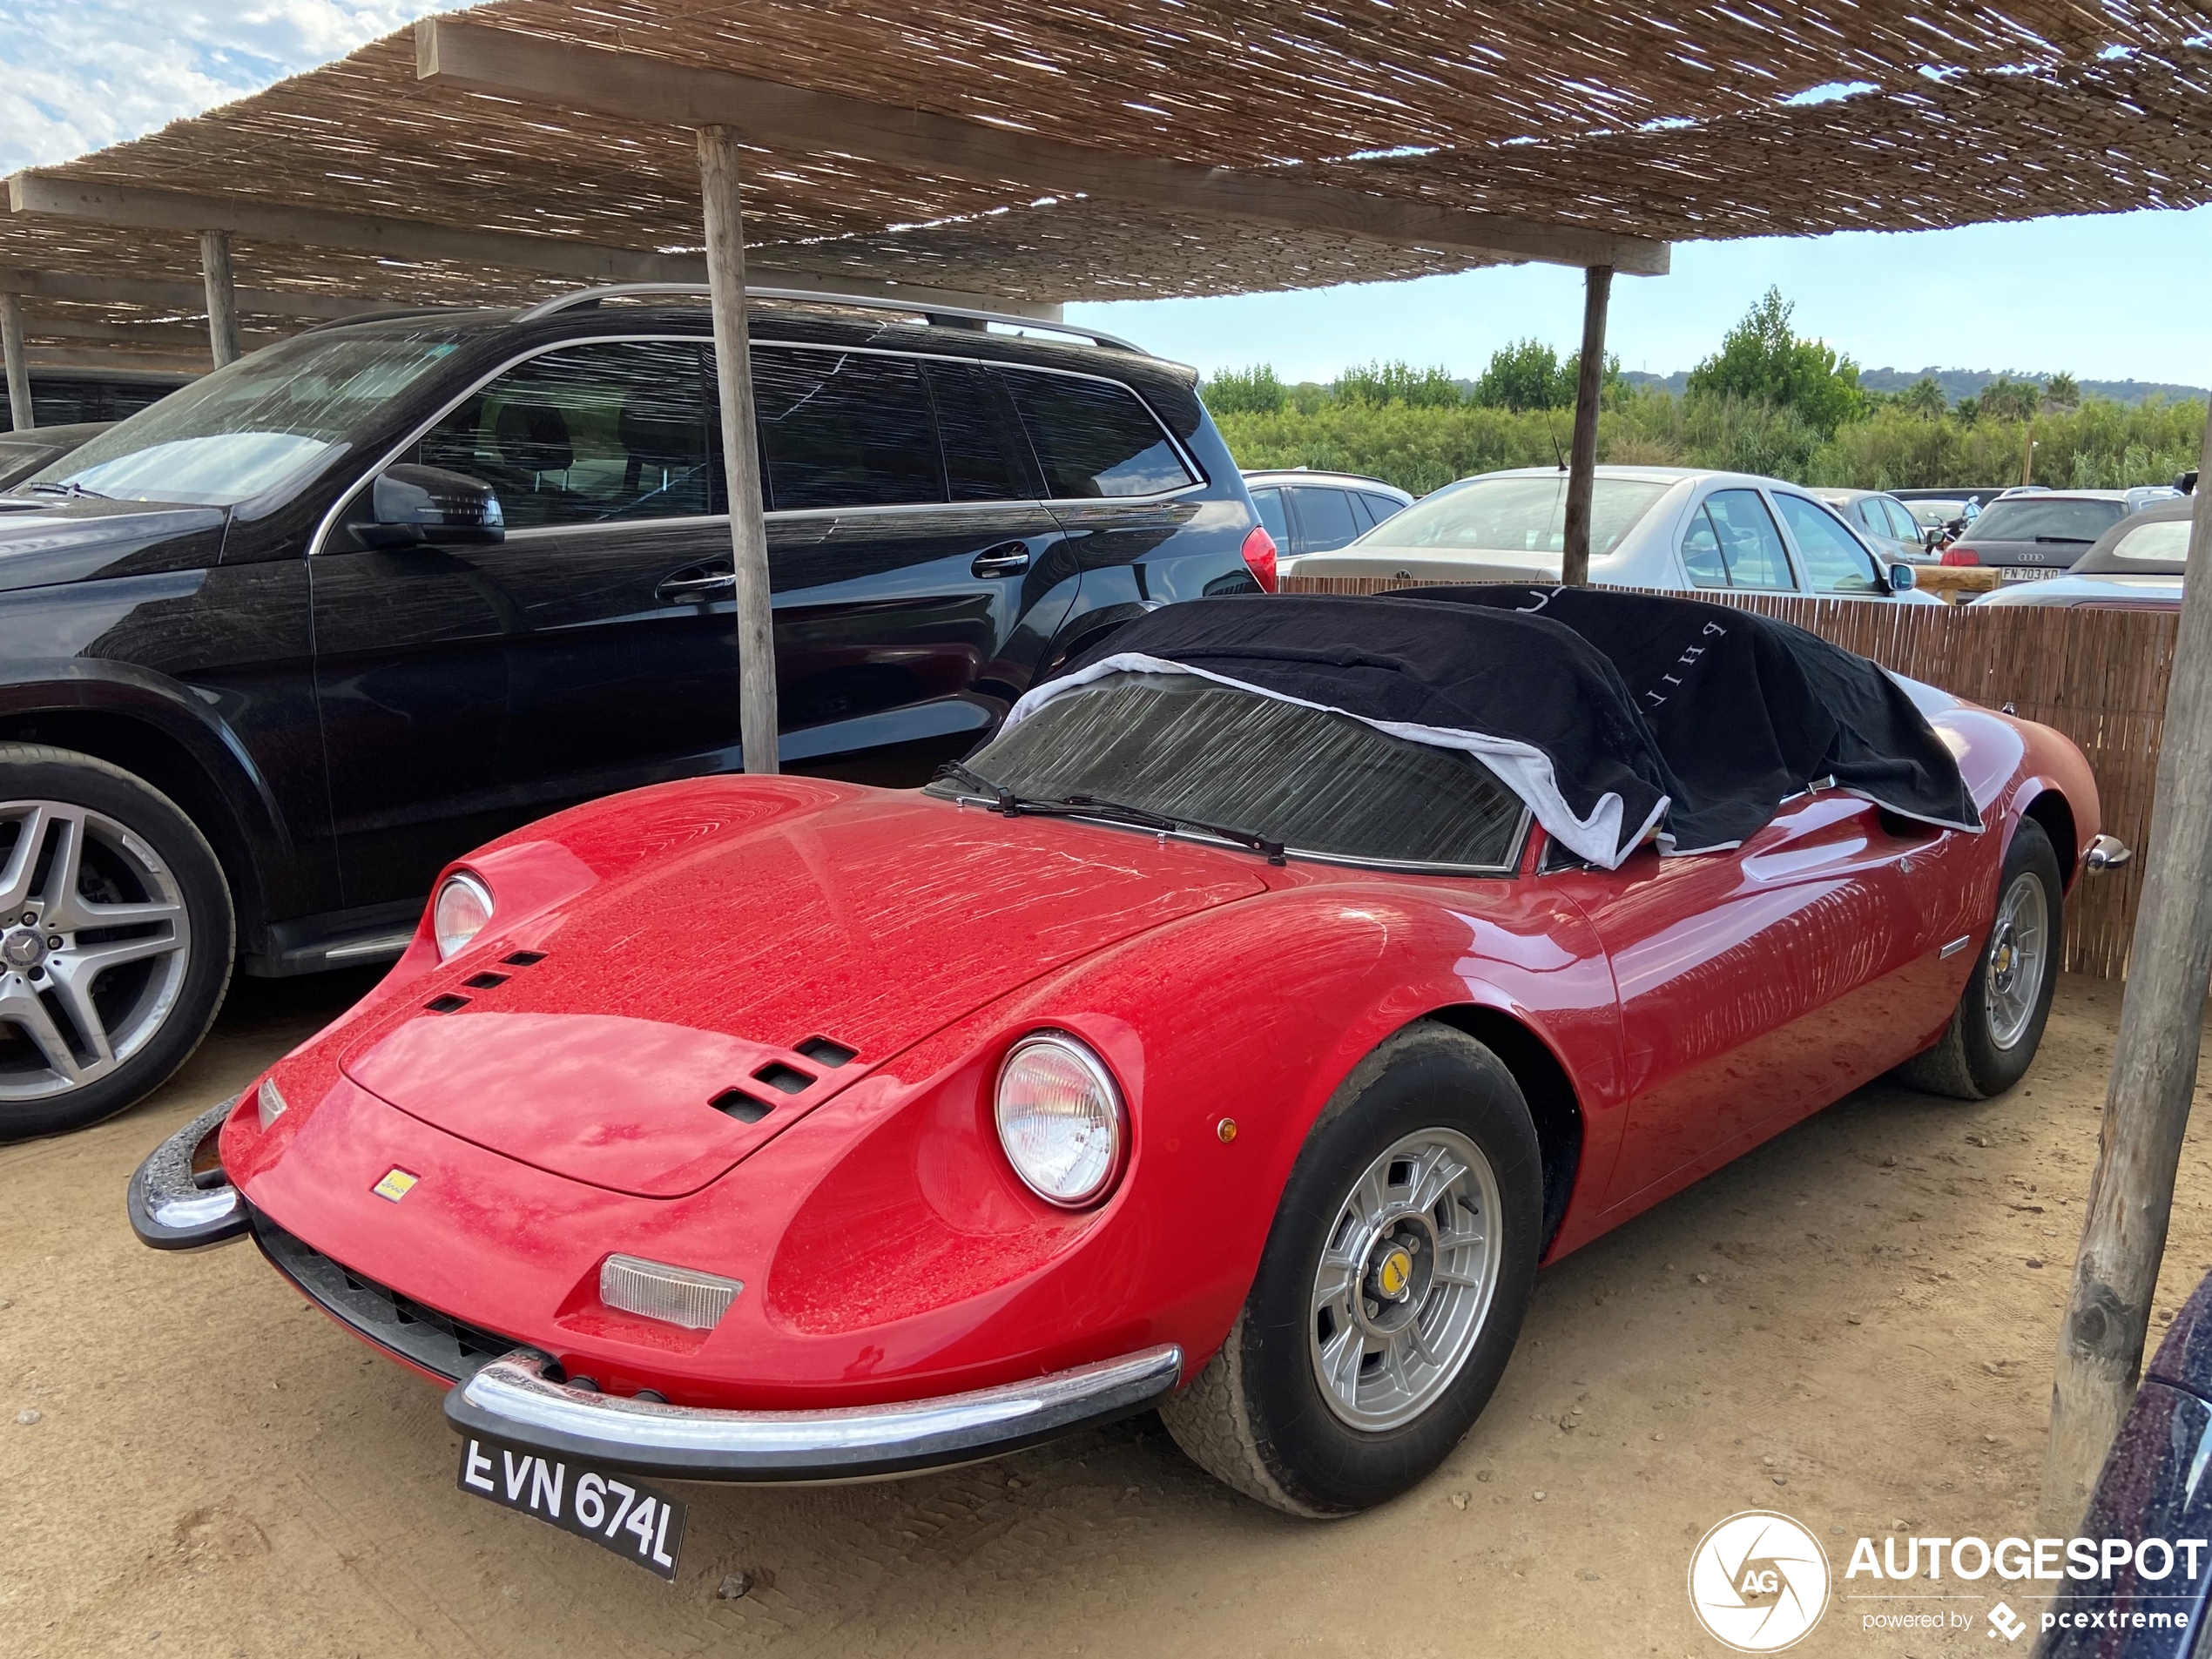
(171, 337)
(21, 415)
(222, 296)
(2153, 1070)
(725, 221)
(148, 362)
(1582, 460)
(639, 86)
(189, 299)
(51, 195)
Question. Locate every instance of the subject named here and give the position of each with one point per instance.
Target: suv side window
(845, 429)
(1732, 543)
(610, 431)
(1325, 516)
(1834, 560)
(1901, 524)
(977, 434)
(1094, 439)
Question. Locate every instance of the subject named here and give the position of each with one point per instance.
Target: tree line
(1768, 401)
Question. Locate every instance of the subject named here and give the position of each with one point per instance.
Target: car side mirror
(1902, 579)
(414, 506)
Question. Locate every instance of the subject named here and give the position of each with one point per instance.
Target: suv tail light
(1259, 555)
(1957, 555)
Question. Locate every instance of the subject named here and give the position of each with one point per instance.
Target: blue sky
(2119, 296)
(2110, 298)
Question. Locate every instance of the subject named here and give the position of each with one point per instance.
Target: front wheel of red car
(1391, 1290)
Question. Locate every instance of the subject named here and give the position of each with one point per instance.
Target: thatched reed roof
(1669, 122)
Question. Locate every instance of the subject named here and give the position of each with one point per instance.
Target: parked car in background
(2135, 565)
(1884, 523)
(74, 396)
(2040, 533)
(1946, 512)
(1670, 528)
(23, 453)
(2152, 1486)
(1318, 512)
(277, 648)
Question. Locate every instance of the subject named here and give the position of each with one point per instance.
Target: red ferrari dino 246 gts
(1234, 1035)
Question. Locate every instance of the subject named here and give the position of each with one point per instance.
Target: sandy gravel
(1863, 1310)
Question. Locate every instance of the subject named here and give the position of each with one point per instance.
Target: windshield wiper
(1011, 804)
(2082, 540)
(72, 487)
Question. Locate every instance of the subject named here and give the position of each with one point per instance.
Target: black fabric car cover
(1529, 680)
(1537, 703)
(1748, 709)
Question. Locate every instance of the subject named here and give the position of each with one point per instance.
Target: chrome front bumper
(169, 1208)
(513, 1399)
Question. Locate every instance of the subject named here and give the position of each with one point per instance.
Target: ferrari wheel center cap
(23, 949)
(1401, 1262)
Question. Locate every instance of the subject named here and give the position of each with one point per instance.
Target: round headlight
(1060, 1119)
(462, 906)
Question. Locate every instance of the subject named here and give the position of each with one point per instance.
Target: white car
(1672, 527)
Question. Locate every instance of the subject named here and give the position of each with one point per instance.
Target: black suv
(266, 664)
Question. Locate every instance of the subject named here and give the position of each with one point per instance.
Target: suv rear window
(2031, 520)
(1093, 439)
(1314, 780)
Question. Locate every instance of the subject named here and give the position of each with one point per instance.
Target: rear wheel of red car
(1998, 1025)
(115, 937)
(1391, 1290)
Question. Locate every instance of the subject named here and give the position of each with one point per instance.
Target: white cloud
(75, 74)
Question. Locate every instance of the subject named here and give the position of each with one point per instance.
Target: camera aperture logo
(1758, 1581)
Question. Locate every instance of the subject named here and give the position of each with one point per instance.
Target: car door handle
(694, 582)
(1008, 558)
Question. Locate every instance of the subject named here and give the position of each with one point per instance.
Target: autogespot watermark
(1760, 1582)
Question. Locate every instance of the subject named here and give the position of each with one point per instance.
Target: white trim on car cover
(1522, 768)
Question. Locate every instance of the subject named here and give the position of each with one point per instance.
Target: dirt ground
(1853, 1325)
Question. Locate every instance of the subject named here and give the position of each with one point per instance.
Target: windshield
(1509, 514)
(1934, 515)
(2166, 542)
(2029, 518)
(248, 426)
(1315, 780)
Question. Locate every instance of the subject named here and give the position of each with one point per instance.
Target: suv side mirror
(412, 506)
(1902, 579)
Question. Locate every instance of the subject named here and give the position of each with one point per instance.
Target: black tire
(1257, 1418)
(1979, 1054)
(153, 1010)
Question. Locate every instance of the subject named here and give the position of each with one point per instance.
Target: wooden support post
(2154, 1073)
(718, 149)
(222, 296)
(20, 414)
(1581, 460)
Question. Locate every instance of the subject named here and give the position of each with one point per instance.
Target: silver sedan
(1676, 529)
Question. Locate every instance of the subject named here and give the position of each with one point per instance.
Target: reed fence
(2098, 676)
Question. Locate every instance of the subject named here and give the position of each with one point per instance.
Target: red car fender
(1172, 1254)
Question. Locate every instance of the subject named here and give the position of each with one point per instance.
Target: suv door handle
(1008, 558)
(694, 582)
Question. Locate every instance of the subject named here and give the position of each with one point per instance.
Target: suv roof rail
(806, 296)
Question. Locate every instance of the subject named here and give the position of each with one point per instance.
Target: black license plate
(613, 1510)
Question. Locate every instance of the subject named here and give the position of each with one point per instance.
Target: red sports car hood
(869, 921)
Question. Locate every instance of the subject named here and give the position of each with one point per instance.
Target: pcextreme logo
(1758, 1581)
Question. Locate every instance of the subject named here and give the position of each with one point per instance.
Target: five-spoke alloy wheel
(115, 939)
